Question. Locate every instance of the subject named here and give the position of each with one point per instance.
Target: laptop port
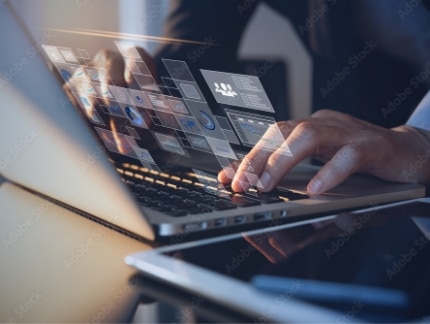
(220, 222)
(283, 213)
(239, 219)
(262, 216)
(192, 227)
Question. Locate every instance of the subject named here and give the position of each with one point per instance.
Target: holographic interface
(171, 115)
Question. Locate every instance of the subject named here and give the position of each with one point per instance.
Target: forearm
(217, 25)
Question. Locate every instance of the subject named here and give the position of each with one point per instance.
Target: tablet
(368, 265)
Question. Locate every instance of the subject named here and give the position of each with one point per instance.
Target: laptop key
(219, 204)
(199, 210)
(242, 201)
(175, 199)
(265, 198)
(176, 212)
(185, 204)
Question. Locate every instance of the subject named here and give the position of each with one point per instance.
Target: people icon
(225, 89)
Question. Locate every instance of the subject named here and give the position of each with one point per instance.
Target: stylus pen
(333, 293)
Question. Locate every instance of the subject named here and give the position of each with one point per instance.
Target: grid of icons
(130, 120)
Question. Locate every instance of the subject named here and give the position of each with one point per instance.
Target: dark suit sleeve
(218, 24)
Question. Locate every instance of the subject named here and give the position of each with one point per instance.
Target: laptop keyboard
(186, 194)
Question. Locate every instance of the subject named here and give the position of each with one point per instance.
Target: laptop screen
(155, 98)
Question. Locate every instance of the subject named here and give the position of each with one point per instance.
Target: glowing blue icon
(206, 121)
(135, 117)
(66, 75)
(189, 124)
(139, 99)
(85, 102)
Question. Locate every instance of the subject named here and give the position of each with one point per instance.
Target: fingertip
(315, 187)
(222, 177)
(266, 183)
(240, 186)
(226, 175)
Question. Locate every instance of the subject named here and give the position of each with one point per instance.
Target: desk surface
(60, 267)
(57, 266)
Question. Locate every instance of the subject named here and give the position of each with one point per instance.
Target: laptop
(160, 181)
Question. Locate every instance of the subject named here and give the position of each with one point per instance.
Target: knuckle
(379, 138)
(105, 54)
(323, 113)
(306, 130)
(352, 153)
(273, 129)
(249, 163)
(287, 126)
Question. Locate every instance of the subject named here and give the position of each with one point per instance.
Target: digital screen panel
(183, 123)
(238, 90)
(249, 127)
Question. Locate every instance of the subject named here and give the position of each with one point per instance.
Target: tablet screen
(387, 250)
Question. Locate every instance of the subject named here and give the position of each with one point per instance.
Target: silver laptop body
(47, 147)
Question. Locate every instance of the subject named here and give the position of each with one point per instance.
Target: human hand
(279, 245)
(89, 86)
(109, 68)
(346, 144)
